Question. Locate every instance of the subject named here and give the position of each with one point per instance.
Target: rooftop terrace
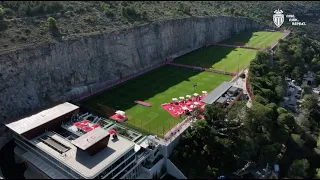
(81, 162)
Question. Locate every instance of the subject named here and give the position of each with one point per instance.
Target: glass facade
(127, 168)
(133, 174)
(117, 166)
(117, 170)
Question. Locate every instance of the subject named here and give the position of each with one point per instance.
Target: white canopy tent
(120, 112)
(204, 92)
(196, 103)
(73, 128)
(188, 96)
(184, 108)
(192, 106)
(174, 99)
(196, 94)
(181, 97)
(136, 148)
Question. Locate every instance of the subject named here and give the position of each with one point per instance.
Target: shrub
(3, 24)
(105, 6)
(106, 9)
(130, 13)
(1, 13)
(52, 23)
(27, 31)
(109, 13)
(124, 3)
(34, 8)
(184, 9)
(144, 15)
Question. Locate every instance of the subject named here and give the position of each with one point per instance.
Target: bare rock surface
(36, 76)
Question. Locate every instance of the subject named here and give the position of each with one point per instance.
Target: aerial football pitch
(260, 39)
(164, 83)
(230, 59)
(155, 87)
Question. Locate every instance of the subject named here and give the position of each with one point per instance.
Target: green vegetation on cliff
(25, 22)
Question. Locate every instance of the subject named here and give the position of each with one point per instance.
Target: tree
(236, 111)
(280, 92)
(268, 154)
(242, 75)
(309, 104)
(281, 110)
(306, 89)
(317, 176)
(286, 119)
(261, 100)
(196, 112)
(297, 74)
(214, 113)
(298, 168)
(259, 117)
(211, 171)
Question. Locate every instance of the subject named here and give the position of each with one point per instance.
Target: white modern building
(52, 152)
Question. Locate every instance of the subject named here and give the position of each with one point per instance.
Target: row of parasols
(188, 96)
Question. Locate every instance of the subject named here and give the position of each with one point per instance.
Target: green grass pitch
(155, 87)
(230, 59)
(258, 39)
(219, 58)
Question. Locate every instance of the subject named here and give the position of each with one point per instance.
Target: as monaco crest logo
(278, 18)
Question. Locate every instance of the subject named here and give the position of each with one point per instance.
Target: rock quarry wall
(36, 76)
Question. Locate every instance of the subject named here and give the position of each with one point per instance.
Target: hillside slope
(25, 22)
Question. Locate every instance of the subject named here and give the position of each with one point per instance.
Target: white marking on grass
(171, 90)
(150, 115)
(139, 109)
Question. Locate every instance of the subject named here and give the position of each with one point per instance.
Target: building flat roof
(82, 163)
(26, 124)
(87, 140)
(221, 100)
(233, 88)
(217, 92)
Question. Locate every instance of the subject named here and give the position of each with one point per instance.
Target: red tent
(76, 124)
(85, 121)
(81, 126)
(95, 125)
(87, 128)
(112, 131)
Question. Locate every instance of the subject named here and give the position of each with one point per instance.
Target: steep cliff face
(36, 76)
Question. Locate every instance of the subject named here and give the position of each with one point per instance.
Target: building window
(115, 164)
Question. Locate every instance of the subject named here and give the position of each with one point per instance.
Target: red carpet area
(86, 125)
(178, 108)
(119, 117)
